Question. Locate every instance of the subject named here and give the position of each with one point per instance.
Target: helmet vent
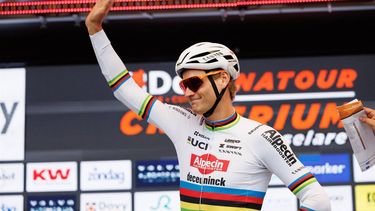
(228, 57)
(212, 60)
(183, 59)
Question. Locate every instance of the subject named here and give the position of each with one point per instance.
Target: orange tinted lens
(193, 83)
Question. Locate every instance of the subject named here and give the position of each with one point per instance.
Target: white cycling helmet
(207, 56)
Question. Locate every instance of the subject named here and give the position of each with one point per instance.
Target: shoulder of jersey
(185, 112)
(255, 129)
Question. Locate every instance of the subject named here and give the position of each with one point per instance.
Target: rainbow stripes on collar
(302, 182)
(147, 104)
(209, 198)
(223, 124)
(302, 208)
(119, 80)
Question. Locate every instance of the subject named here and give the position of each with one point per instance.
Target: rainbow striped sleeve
(146, 107)
(301, 183)
(208, 198)
(119, 80)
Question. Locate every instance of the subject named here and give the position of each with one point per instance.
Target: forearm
(110, 63)
(116, 74)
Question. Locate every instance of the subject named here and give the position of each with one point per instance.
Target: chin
(196, 110)
(199, 110)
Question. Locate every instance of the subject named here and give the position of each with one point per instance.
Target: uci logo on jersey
(195, 142)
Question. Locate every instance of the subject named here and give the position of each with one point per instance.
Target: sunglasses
(195, 82)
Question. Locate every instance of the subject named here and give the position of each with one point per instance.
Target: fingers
(370, 122)
(370, 112)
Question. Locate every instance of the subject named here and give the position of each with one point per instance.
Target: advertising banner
(106, 175)
(296, 96)
(51, 176)
(106, 202)
(157, 201)
(328, 168)
(11, 203)
(341, 197)
(12, 114)
(11, 178)
(365, 197)
(154, 173)
(51, 202)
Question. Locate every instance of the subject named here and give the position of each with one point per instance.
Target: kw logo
(51, 174)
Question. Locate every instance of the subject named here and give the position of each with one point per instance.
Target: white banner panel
(11, 203)
(106, 202)
(12, 114)
(11, 178)
(157, 200)
(341, 197)
(366, 176)
(279, 199)
(52, 176)
(106, 175)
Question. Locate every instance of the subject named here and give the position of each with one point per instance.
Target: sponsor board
(51, 202)
(365, 197)
(106, 175)
(106, 202)
(279, 199)
(363, 176)
(328, 168)
(12, 114)
(157, 201)
(340, 197)
(11, 178)
(153, 173)
(11, 203)
(51, 176)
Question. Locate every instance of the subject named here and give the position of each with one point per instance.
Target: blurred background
(67, 143)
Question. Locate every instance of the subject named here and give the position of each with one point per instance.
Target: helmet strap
(218, 97)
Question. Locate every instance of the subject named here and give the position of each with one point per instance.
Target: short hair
(232, 89)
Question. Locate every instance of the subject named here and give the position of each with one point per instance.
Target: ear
(224, 80)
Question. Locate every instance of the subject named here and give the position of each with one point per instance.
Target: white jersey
(224, 165)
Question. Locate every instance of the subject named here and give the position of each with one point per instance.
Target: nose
(188, 93)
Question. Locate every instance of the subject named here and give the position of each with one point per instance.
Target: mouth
(192, 101)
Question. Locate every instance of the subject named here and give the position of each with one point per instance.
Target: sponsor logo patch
(208, 163)
(205, 180)
(274, 138)
(197, 143)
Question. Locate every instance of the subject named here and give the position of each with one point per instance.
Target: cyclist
(226, 161)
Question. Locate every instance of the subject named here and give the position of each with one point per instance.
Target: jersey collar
(222, 124)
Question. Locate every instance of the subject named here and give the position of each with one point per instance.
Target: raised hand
(96, 16)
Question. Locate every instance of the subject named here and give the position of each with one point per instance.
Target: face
(204, 98)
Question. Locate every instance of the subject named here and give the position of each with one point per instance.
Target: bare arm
(96, 16)
(370, 118)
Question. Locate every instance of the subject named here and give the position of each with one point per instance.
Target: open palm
(96, 16)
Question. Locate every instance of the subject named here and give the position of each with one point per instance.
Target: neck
(223, 110)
